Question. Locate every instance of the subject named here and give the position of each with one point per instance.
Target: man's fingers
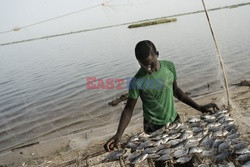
(109, 145)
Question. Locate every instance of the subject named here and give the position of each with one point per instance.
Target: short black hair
(144, 48)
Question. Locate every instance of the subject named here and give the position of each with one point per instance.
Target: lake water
(43, 91)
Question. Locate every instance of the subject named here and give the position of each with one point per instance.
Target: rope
(54, 18)
(219, 57)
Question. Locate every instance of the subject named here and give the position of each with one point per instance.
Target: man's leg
(149, 128)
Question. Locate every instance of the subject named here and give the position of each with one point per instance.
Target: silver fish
(186, 135)
(175, 142)
(139, 159)
(131, 145)
(203, 165)
(233, 136)
(242, 151)
(208, 153)
(195, 124)
(220, 133)
(216, 143)
(197, 129)
(153, 156)
(208, 117)
(208, 142)
(214, 129)
(230, 127)
(243, 157)
(165, 151)
(194, 119)
(150, 150)
(195, 150)
(145, 144)
(221, 157)
(114, 155)
(174, 136)
(133, 155)
(184, 159)
(180, 153)
(239, 146)
(192, 143)
(216, 124)
(164, 157)
(223, 146)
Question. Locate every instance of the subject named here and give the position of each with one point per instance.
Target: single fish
(174, 136)
(139, 159)
(243, 157)
(131, 145)
(164, 157)
(239, 146)
(175, 142)
(186, 134)
(194, 119)
(216, 124)
(223, 146)
(230, 127)
(196, 124)
(208, 142)
(114, 155)
(197, 129)
(242, 151)
(233, 136)
(180, 153)
(220, 133)
(195, 150)
(186, 158)
(150, 150)
(208, 153)
(192, 143)
(214, 129)
(133, 155)
(216, 143)
(153, 156)
(208, 117)
(146, 144)
(221, 157)
(165, 151)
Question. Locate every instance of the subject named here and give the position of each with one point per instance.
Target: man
(156, 84)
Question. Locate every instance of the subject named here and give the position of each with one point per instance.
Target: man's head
(146, 54)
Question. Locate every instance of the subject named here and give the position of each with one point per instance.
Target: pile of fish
(214, 139)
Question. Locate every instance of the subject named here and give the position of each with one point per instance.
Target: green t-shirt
(156, 92)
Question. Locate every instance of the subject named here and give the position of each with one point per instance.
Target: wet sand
(85, 150)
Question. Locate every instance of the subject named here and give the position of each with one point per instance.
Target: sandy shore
(86, 149)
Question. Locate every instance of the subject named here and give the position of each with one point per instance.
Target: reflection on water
(43, 91)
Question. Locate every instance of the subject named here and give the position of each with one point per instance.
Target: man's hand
(112, 143)
(211, 107)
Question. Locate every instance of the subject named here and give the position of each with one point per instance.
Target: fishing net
(47, 105)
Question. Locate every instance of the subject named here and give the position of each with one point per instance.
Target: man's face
(149, 64)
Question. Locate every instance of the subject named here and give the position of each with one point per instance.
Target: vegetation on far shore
(154, 22)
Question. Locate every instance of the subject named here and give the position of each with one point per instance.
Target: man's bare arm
(180, 95)
(124, 120)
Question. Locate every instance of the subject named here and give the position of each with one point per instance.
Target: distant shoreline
(110, 26)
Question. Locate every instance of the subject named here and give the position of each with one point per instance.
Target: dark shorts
(150, 127)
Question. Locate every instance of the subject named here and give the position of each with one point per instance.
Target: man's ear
(157, 53)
